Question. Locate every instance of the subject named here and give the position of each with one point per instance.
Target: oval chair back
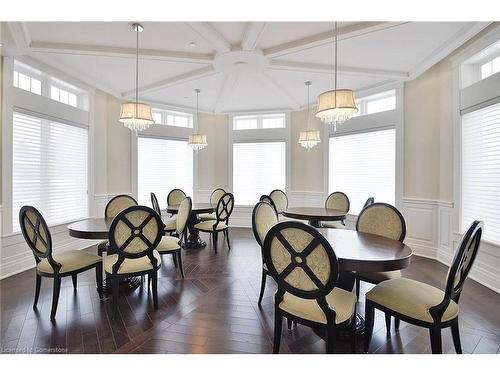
(279, 199)
(216, 195)
(369, 201)
(155, 204)
(175, 197)
(183, 216)
(37, 235)
(117, 204)
(134, 233)
(264, 217)
(382, 219)
(224, 208)
(266, 198)
(302, 262)
(338, 201)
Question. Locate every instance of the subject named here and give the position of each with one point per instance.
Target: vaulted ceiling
(239, 66)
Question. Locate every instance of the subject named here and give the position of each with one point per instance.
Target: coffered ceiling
(239, 66)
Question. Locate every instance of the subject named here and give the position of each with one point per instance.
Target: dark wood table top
(314, 213)
(364, 252)
(95, 228)
(197, 208)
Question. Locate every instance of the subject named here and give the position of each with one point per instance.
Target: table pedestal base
(194, 242)
(127, 284)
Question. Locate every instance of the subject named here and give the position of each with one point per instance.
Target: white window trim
(13, 98)
(260, 135)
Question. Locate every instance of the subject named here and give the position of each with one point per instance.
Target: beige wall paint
(100, 143)
(1, 125)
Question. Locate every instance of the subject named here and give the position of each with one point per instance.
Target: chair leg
(330, 338)
(278, 322)
(74, 278)
(436, 345)
(227, 240)
(37, 290)
(174, 256)
(353, 335)
(396, 323)
(116, 290)
(179, 260)
(142, 279)
(55, 297)
(369, 317)
(456, 338)
(98, 279)
(388, 323)
(149, 281)
(262, 286)
(357, 288)
(289, 323)
(214, 236)
(154, 276)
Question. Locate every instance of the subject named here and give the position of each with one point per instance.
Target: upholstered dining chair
(56, 266)
(221, 223)
(134, 235)
(113, 207)
(422, 304)
(170, 224)
(383, 220)
(214, 199)
(266, 198)
(264, 217)
(280, 200)
(175, 197)
(306, 269)
(336, 201)
(172, 244)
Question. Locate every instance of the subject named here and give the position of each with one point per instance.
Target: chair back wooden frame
(170, 196)
(213, 195)
(338, 193)
(369, 201)
(181, 228)
(319, 294)
(266, 198)
(281, 192)
(155, 204)
(224, 209)
(120, 196)
(391, 207)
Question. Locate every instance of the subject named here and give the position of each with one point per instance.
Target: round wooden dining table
(314, 215)
(193, 240)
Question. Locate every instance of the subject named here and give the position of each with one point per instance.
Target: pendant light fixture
(197, 141)
(309, 138)
(134, 115)
(338, 105)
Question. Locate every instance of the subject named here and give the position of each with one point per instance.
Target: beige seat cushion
(377, 277)
(168, 244)
(205, 217)
(332, 224)
(170, 224)
(411, 298)
(70, 261)
(341, 301)
(130, 265)
(209, 225)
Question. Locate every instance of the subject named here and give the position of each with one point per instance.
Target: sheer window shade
(363, 165)
(481, 170)
(163, 165)
(49, 169)
(258, 168)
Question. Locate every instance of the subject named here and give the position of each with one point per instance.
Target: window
(63, 96)
(27, 83)
(172, 118)
(270, 121)
(384, 101)
(49, 169)
(490, 68)
(163, 165)
(363, 165)
(258, 168)
(481, 170)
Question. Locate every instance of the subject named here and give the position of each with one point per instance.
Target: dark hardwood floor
(213, 310)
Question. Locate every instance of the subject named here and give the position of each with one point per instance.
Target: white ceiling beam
(228, 86)
(270, 81)
(174, 81)
(296, 66)
(252, 36)
(20, 35)
(109, 51)
(346, 32)
(211, 35)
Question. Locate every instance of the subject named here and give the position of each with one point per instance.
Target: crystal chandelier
(134, 115)
(338, 105)
(309, 138)
(197, 141)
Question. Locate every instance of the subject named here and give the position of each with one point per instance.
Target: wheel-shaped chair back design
(216, 195)
(155, 204)
(183, 215)
(460, 267)
(264, 217)
(266, 198)
(382, 219)
(37, 235)
(224, 208)
(279, 199)
(117, 204)
(301, 261)
(175, 197)
(134, 233)
(369, 201)
(338, 201)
